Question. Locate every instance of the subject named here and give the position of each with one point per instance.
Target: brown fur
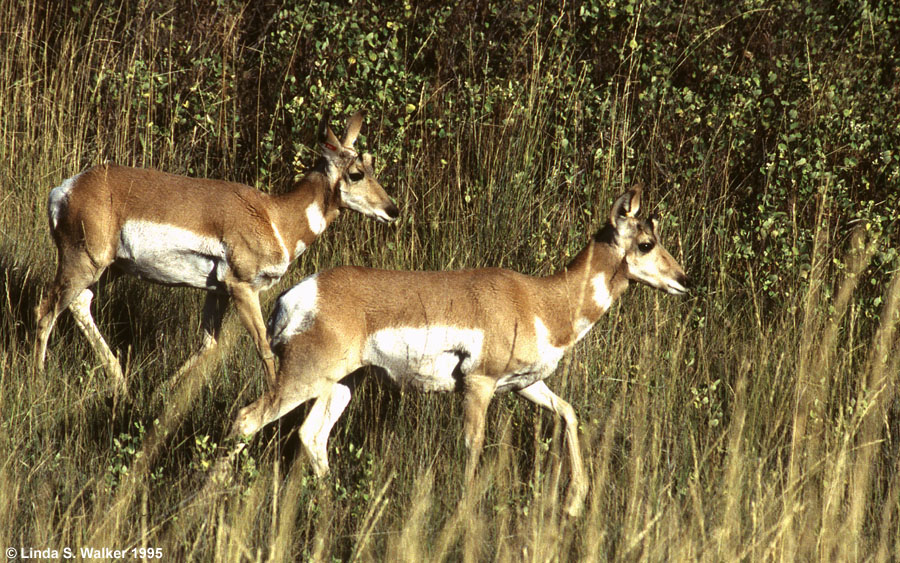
(247, 223)
(351, 304)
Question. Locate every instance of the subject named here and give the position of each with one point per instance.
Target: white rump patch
(425, 357)
(171, 255)
(315, 219)
(58, 201)
(294, 311)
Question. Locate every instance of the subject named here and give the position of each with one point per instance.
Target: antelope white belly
(171, 255)
(428, 358)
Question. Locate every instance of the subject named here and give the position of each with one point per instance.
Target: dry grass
(713, 428)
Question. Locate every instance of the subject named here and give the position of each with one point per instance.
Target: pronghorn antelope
(227, 238)
(478, 331)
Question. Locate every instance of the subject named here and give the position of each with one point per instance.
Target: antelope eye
(356, 176)
(645, 247)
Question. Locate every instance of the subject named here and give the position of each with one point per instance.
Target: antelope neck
(587, 287)
(304, 212)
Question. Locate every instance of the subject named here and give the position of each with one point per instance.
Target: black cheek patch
(606, 234)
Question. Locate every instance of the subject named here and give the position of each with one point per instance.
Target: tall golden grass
(714, 427)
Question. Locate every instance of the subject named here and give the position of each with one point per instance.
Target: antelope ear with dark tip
(323, 126)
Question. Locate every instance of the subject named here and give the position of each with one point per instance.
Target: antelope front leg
(246, 300)
(540, 394)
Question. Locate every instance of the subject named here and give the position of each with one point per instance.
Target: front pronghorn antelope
(479, 331)
(229, 239)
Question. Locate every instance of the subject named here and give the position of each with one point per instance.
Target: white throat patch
(315, 219)
(602, 297)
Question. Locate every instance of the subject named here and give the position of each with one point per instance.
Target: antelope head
(646, 261)
(356, 183)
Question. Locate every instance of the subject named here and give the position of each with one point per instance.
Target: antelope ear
(323, 126)
(353, 126)
(627, 205)
(654, 223)
(329, 141)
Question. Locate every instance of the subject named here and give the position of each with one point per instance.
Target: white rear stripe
(284, 250)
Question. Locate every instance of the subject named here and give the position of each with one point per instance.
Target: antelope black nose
(392, 211)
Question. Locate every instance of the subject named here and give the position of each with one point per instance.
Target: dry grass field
(756, 419)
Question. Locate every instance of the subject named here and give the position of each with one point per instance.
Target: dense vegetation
(756, 419)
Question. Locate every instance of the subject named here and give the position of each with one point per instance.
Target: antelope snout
(678, 285)
(389, 214)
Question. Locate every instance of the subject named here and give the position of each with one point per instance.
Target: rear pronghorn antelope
(477, 331)
(226, 238)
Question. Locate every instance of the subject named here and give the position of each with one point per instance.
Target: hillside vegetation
(756, 419)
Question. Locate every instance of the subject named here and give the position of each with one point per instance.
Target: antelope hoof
(242, 425)
(575, 501)
(574, 508)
